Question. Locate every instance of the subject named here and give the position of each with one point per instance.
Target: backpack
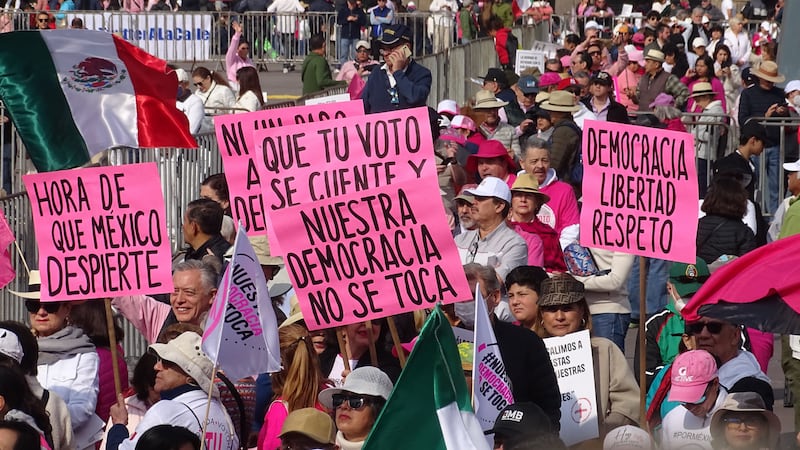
(512, 44)
(575, 170)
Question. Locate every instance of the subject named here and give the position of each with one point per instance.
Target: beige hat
(365, 380)
(542, 96)
(311, 423)
(561, 101)
(654, 55)
(702, 88)
(529, 184)
(261, 248)
(364, 44)
(34, 286)
(486, 100)
(749, 402)
(186, 352)
(768, 71)
(295, 314)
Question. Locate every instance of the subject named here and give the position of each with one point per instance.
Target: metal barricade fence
(718, 126)
(769, 166)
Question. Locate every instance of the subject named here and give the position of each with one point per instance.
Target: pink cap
(463, 122)
(566, 61)
(691, 373)
(549, 79)
(636, 56)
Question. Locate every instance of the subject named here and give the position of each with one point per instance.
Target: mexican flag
(74, 93)
(430, 405)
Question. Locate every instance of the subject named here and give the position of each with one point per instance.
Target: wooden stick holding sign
(208, 409)
(343, 348)
(642, 340)
(373, 354)
(112, 340)
(401, 354)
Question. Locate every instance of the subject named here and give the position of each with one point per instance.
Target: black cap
(602, 78)
(394, 33)
(754, 129)
(496, 75)
(523, 418)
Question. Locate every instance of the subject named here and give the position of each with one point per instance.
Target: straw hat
(702, 88)
(34, 287)
(768, 71)
(186, 352)
(262, 250)
(528, 184)
(654, 55)
(745, 402)
(486, 100)
(560, 101)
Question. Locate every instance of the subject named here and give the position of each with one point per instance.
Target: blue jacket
(413, 87)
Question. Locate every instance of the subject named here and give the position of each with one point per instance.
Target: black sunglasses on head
(33, 306)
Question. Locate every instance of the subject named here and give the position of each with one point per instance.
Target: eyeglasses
(748, 422)
(352, 402)
(33, 306)
(473, 250)
(697, 327)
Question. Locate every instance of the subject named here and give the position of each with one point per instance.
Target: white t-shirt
(725, 6)
(681, 429)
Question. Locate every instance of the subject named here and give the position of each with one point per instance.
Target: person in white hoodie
(441, 24)
(737, 39)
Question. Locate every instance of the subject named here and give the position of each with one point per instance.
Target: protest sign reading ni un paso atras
(359, 218)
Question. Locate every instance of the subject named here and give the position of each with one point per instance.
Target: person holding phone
(400, 82)
(362, 65)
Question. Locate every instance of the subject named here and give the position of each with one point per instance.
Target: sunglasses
(33, 306)
(697, 327)
(42, 20)
(699, 402)
(200, 84)
(748, 422)
(595, 53)
(352, 402)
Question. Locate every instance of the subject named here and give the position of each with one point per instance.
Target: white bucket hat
(365, 380)
(186, 352)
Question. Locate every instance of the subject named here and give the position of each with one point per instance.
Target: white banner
(547, 48)
(529, 58)
(241, 335)
(491, 391)
(169, 36)
(571, 356)
(329, 99)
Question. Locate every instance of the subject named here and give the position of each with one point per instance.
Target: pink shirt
(562, 209)
(233, 61)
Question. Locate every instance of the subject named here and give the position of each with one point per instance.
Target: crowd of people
(510, 171)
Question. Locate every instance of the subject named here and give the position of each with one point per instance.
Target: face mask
(796, 101)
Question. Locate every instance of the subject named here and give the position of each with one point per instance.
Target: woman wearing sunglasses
(744, 423)
(356, 405)
(68, 362)
(563, 310)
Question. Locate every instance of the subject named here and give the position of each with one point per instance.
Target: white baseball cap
(793, 85)
(591, 25)
(792, 166)
(699, 42)
(10, 345)
(447, 106)
(492, 187)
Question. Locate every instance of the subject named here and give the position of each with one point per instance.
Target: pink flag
(762, 272)
(6, 238)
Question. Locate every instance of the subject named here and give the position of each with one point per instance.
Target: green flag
(430, 405)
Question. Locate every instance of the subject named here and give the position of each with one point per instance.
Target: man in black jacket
(525, 357)
(601, 103)
(201, 230)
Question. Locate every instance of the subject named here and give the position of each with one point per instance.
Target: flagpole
(373, 354)
(112, 340)
(642, 340)
(401, 355)
(208, 408)
(342, 349)
(22, 257)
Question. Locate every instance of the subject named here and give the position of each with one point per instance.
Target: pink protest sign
(356, 207)
(101, 232)
(639, 191)
(237, 147)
